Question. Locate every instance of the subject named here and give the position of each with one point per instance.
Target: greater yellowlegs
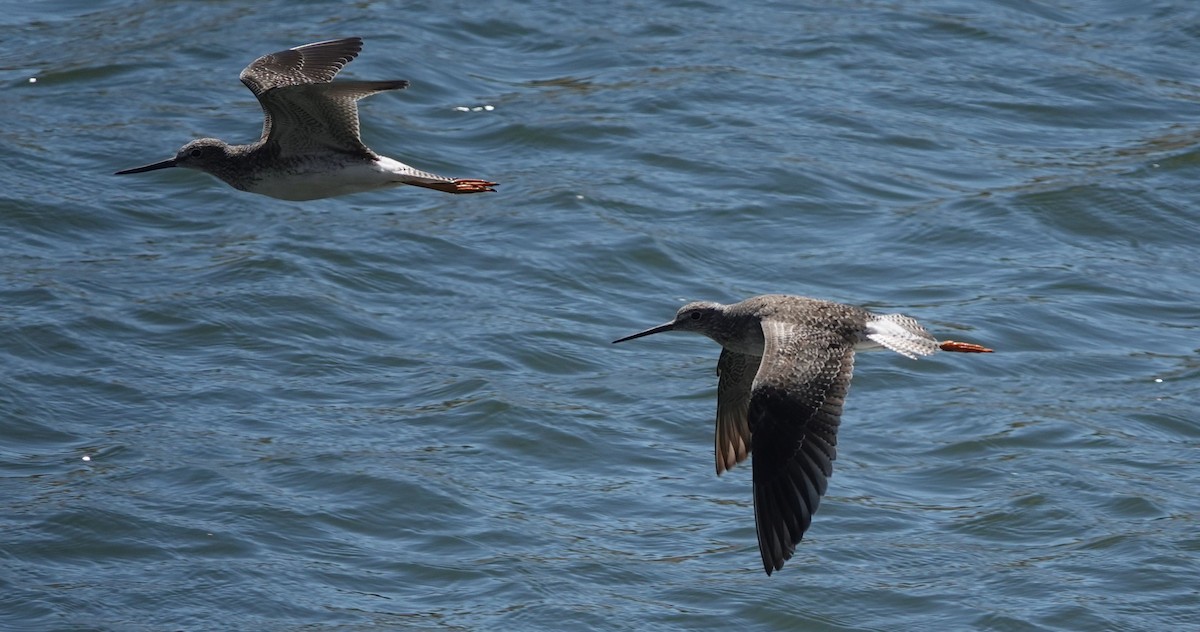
(782, 377)
(310, 147)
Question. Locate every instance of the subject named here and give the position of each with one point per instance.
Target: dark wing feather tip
(793, 417)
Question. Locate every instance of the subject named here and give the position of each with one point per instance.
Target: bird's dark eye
(196, 153)
(695, 315)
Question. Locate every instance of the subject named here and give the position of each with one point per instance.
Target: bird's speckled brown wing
(311, 63)
(794, 412)
(316, 118)
(303, 111)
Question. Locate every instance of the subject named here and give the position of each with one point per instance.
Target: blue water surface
(401, 410)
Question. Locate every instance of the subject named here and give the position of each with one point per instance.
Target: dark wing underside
(735, 377)
(303, 111)
(794, 412)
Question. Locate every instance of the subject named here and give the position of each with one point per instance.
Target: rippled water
(401, 409)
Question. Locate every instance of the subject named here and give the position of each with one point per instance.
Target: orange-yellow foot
(468, 185)
(963, 347)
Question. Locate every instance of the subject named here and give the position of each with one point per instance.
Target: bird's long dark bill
(652, 330)
(153, 167)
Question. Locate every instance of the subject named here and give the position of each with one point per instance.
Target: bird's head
(202, 154)
(698, 316)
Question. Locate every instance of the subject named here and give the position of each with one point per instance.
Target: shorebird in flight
(310, 146)
(783, 375)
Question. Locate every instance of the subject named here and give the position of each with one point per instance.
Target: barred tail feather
(902, 335)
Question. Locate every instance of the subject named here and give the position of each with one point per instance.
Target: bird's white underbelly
(316, 184)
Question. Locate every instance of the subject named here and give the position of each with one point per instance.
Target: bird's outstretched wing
(794, 411)
(302, 110)
(735, 377)
(312, 63)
